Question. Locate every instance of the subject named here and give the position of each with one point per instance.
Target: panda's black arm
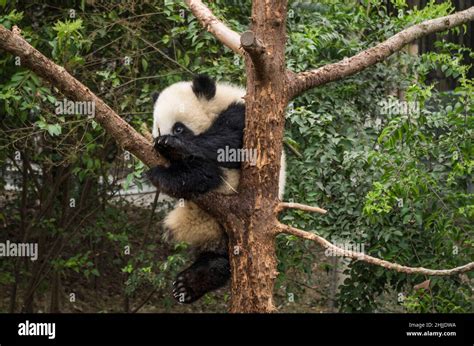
(225, 133)
(186, 179)
(224, 136)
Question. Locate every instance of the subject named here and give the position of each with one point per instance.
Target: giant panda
(191, 122)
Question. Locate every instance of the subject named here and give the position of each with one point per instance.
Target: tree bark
(215, 26)
(253, 229)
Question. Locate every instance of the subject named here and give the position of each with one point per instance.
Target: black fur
(226, 131)
(154, 96)
(203, 86)
(194, 169)
(187, 178)
(209, 272)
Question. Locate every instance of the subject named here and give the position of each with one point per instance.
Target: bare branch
(286, 205)
(372, 260)
(293, 149)
(207, 19)
(309, 79)
(256, 52)
(119, 129)
(146, 133)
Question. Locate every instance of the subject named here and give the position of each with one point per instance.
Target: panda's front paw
(171, 147)
(182, 291)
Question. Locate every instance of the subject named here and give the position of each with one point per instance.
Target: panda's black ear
(154, 96)
(204, 86)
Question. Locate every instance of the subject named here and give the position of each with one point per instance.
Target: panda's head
(192, 106)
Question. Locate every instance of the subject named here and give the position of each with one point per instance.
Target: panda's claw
(171, 147)
(182, 292)
(181, 289)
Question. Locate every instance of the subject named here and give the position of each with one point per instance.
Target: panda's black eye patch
(179, 128)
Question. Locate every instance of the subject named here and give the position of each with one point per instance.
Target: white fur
(187, 222)
(179, 103)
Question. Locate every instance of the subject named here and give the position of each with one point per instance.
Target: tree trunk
(252, 228)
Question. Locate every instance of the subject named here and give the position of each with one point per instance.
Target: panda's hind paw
(209, 272)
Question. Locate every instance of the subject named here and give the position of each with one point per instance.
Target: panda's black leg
(209, 272)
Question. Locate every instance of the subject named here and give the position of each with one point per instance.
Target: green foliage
(13, 17)
(443, 297)
(68, 43)
(398, 183)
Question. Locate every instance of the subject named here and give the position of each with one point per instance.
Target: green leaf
(54, 130)
(320, 185)
(128, 181)
(144, 64)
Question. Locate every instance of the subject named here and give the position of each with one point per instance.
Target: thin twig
(290, 205)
